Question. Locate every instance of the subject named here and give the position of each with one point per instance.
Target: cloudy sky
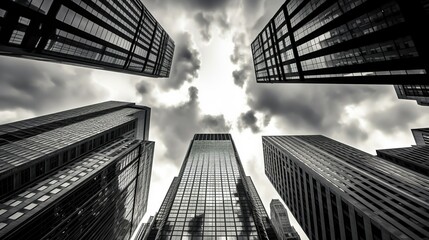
(212, 88)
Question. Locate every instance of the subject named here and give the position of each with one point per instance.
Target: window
(25, 176)
(17, 37)
(30, 206)
(40, 168)
(24, 21)
(16, 215)
(2, 13)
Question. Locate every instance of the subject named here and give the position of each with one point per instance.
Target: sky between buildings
(212, 88)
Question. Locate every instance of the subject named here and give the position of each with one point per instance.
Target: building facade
(280, 221)
(421, 136)
(78, 174)
(212, 198)
(119, 36)
(420, 93)
(415, 158)
(344, 41)
(338, 192)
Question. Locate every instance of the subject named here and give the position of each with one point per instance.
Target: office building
(143, 232)
(212, 198)
(338, 192)
(119, 36)
(421, 136)
(78, 174)
(420, 93)
(415, 158)
(346, 42)
(281, 223)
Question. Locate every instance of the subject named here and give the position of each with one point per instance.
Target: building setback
(421, 136)
(420, 93)
(119, 36)
(280, 221)
(344, 41)
(212, 198)
(78, 174)
(338, 192)
(415, 158)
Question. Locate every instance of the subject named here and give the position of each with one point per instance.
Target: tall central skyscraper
(212, 198)
(118, 35)
(338, 192)
(345, 41)
(77, 174)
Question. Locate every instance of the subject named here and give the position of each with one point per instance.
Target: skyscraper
(420, 93)
(119, 36)
(344, 41)
(78, 174)
(212, 198)
(338, 192)
(415, 158)
(281, 223)
(421, 136)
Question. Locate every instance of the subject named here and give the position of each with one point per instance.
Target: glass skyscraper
(344, 41)
(212, 198)
(78, 174)
(420, 93)
(281, 223)
(339, 192)
(119, 36)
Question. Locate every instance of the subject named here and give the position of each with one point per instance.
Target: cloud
(186, 62)
(396, 117)
(249, 120)
(204, 21)
(176, 125)
(241, 57)
(240, 76)
(206, 5)
(41, 87)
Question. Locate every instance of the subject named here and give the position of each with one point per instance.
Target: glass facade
(343, 41)
(211, 198)
(112, 35)
(78, 174)
(338, 192)
(281, 223)
(420, 93)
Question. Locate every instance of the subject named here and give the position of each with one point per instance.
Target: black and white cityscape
(230, 119)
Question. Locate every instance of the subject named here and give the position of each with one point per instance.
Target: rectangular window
(25, 176)
(40, 168)
(17, 37)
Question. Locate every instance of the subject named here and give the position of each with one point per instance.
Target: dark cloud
(240, 76)
(215, 123)
(394, 118)
(206, 5)
(240, 57)
(44, 87)
(204, 21)
(174, 126)
(311, 108)
(249, 120)
(186, 62)
(240, 48)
